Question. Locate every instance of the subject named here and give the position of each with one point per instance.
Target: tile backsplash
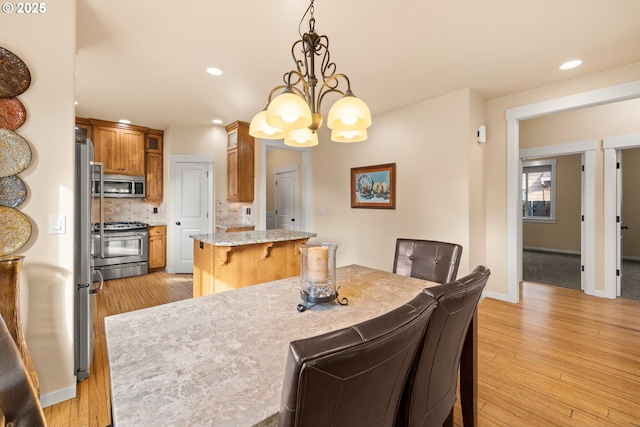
(131, 210)
(137, 210)
(234, 213)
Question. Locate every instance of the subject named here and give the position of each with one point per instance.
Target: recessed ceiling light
(570, 64)
(214, 71)
(216, 121)
(124, 121)
(75, 102)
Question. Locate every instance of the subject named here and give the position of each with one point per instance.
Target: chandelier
(294, 114)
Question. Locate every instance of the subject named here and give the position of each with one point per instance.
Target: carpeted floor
(564, 270)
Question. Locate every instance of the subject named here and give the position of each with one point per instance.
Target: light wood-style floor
(557, 358)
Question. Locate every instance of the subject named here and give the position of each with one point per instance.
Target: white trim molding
(611, 244)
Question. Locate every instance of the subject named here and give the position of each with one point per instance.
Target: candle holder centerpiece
(318, 278)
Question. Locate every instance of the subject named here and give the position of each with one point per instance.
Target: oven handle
(101, 281)
(129, 236)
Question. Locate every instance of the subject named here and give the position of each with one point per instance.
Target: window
(539, 191)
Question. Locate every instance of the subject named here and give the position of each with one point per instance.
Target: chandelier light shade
(289, 111)
(293, 111)
(260, 129)
(302, 137)
(349, 113)
(349, 135)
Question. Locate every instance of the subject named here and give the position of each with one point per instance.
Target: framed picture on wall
(374, 186)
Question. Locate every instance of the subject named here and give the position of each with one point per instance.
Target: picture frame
(374, 186)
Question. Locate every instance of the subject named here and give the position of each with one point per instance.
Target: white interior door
(286, 203)
(191, 198)
(583, 224)
(619, 223)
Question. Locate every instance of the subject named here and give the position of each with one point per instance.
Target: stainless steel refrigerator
(84, 273)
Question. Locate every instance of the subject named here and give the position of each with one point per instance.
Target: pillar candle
(318, 264)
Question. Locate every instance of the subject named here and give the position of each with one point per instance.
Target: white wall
(46, 43)
(438, 163)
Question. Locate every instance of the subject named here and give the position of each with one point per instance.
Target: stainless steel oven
(121, 249)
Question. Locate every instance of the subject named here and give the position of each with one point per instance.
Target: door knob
(293, 219)
(624, 227)
(177, 222)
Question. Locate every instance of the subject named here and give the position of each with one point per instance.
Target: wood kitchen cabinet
(83, 129)
(240, 163)
(153, 166)
(157, 247)
(120, 148)
(127, 150)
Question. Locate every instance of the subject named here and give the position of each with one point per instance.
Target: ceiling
(145, 60)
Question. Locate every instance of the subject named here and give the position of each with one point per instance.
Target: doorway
(552, 210)
(602, 96)
(276, 155)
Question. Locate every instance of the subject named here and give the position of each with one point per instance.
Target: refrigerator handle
(99, 166)
(101, 281)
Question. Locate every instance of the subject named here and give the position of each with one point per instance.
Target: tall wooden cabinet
(153, 166)
(240, 163)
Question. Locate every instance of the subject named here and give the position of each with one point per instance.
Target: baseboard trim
(498, 296)
(558, 251)
(58, 396)
(562, 251)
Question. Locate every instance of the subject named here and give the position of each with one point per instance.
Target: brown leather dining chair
(19, 404)
(427, 259)
(430, 391)
(354, 376)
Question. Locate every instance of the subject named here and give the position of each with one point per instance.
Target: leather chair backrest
(427, 259)
(19, 402)
(354, 376)
(431, 388)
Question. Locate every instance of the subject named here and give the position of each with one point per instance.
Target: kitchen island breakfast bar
(219, 360)
(226, 261)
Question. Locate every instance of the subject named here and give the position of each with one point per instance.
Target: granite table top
(251, 237)
(219, 360)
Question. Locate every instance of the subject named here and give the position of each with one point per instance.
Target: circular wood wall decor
(12, 113)
(15, 77)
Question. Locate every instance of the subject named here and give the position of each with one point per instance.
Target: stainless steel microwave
(119, 186)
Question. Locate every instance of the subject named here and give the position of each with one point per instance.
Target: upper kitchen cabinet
(83, 129)
(127, 150)
(240, 163)
(119, 147)
(153, 166)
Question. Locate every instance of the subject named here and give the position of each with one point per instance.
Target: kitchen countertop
(157, 224)
(251, 237)
(233, 225)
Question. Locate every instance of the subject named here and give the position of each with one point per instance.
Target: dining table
(219, 360)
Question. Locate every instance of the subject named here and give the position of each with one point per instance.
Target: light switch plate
(57, 224)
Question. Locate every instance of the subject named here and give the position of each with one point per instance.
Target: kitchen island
(226, 261)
